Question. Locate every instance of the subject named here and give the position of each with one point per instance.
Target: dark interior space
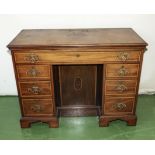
(82, 89)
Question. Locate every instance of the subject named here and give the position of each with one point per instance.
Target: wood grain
(120, 87)
(38, 107)
(75, 57)
(82, 93)
(43, 88)
(34, 72)
(77, 37)
(114, 70)
(111, 103)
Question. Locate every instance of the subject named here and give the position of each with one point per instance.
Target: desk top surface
(76, 37)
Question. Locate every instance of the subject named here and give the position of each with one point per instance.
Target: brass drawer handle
(33, 58)
(123, 56)
(122, 71)
(36, 108)
(121, 88)
(32, 72)
(119, 106)
(34, 90)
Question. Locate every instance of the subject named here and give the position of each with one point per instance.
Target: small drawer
(75, 57)
(122, 70)
(40, 88)
(117, 105)
(120, 87)
(33, 71)
(38, 107)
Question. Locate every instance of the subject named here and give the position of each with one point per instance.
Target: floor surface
(78, 127)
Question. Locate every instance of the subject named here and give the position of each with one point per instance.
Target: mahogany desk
(77, 72)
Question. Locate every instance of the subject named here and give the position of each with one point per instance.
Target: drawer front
(68, 57)
(120, 87)
(33, 71)
(40, 88)
(122, 70)
(35, 107)
(115, 105)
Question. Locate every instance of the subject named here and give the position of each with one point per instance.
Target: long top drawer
(72, 57)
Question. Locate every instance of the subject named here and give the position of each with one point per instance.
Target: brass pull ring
(34, 90)
(119, 106)
(122, 71)
(36, 108)
(123, 56)
(121, 88)
(32, 72)
(33, 58)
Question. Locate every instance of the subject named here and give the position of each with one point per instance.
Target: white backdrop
(10, 25)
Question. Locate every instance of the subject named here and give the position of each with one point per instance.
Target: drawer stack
(121, 81)
(35, 83)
